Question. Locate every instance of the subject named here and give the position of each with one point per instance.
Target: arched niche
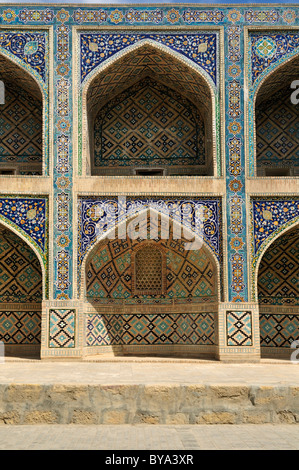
(277, 123)
(178, 316)
(149, 113)
(21, 295)
(278, 294)
(21, 117)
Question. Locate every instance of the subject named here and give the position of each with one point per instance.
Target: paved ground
(149, 437)
(148, 371)
(158, 437)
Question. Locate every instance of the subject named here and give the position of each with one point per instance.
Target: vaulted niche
(21, 143)
(278, 295)
(152, 297)
(277, 124)
(149, 114)
(20, 296)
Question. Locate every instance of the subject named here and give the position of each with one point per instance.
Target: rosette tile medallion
(149, 165)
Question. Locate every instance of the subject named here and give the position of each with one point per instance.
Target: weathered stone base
(22, 350)
(165, 350)
(148, 404)
(278, 353)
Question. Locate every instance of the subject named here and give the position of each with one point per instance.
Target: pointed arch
(16, 231)
(188, 235)
(269, 73)
(278, 80)
(266, 245)
(21, 294)
(24, 87)
(139, 45)
(19, 65)
(278, 293)
(194, 83)
(170, 312)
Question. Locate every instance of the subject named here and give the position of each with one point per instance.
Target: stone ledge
(148, 404)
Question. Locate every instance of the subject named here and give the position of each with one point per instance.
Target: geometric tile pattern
(237, 267)
(259, 16)
(137, 16)
(149, 329)
(63, 233)
(96, 48)
(209, 16)
(44, 16)
(235, 186)
(24, 61)
(278, 330)
(20, 128)
(277, 131)
(62, 328)
(12, 74)
(150, 60)
(30, 216)
(267, 52)
(170, 15)
(269, 215)
(190, 276)
(151, 16)
(92, 213)
(278, 278)
(149, 124)
(20, 272)
(30, 48)
(267, 49)
(20, 327)
(189, 273)
(239, 328)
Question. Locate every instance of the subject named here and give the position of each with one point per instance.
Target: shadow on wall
(278, 294)
(151, 297)
(20, 295)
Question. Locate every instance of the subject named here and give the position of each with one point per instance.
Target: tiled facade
(21, 133)
(183, 110)
(277, 134)
(148, 125)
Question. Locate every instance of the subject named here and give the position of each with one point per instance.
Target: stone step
(148, 404)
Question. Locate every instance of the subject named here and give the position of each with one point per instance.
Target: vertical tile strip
(235, 168)
(62, 242)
